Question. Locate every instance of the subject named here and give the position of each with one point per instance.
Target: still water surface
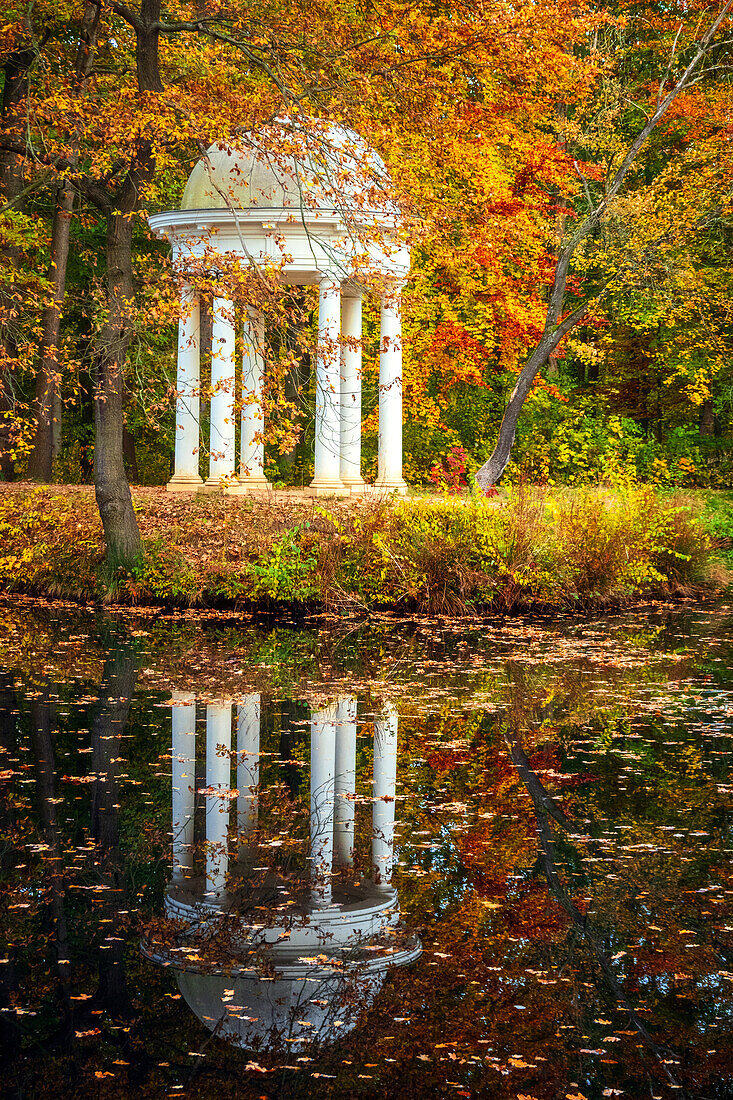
(381, 860)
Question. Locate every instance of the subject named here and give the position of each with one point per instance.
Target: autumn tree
(48, 408)
(17, 60)
(698, 56)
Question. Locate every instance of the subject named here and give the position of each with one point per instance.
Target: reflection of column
(186, 461)
(389, 476)
(221, 439)
(327, 475)
(248, 767)
(252, 443)
(351, 394)
(323, 746)
(183, 770)
(218, 772)
(383, 814)
(345, 782)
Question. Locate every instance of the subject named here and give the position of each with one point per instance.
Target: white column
(252, 444)
(218, 778)
(351, 392)
(389, 477)
(188, 381)
(327, 472)
(383, 813)
(183, 768)
(323, 747)
(248, 768)
(345, 782)
(223, 425)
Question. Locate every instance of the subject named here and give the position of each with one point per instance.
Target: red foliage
(450, 472)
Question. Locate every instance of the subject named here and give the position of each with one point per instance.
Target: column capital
(331, 277)
(351, 288)
(393, 287)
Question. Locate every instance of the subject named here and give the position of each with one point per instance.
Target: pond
(421, 859)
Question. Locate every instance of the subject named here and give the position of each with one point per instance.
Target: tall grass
(585, 548)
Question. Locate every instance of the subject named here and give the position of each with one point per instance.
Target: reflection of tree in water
(43, 731)
(108, 724)
(10, 1032)
(548, 813)
(57, 885)
(535, 963)
(292, 714)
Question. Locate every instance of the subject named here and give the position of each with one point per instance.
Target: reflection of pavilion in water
(262, 956)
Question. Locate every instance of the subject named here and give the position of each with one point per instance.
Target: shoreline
(533, 551)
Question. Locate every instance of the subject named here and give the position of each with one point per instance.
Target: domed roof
(280, 1013)
(314, 167)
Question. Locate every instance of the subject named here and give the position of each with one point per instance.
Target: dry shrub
(589, 547)
(50, 542)
(594, 542)
(631, 542)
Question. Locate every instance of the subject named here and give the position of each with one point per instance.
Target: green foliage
(165, 572)
(718, 517)
(288, 573)
(586, 438)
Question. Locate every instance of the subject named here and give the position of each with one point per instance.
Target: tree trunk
(707, 418)
(492, 470)
(129, 456)
(112, 491)
(146, 53)
(12, 178)
(48, 381)
(49, 406)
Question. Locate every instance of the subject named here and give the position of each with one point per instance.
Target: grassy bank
(564, 549)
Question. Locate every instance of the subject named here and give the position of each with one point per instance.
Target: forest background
(499, 123)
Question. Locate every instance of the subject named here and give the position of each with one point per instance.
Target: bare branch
(665, 78)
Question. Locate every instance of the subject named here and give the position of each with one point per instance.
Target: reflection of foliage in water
(625, 730)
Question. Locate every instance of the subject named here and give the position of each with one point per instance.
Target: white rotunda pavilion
(311, 203)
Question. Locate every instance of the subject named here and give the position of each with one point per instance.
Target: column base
(254, 486)
(386, 890)
(319, 905)
(322, 488)
(184, 483)
(219, 484)
(356, 486)
(384, 488)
